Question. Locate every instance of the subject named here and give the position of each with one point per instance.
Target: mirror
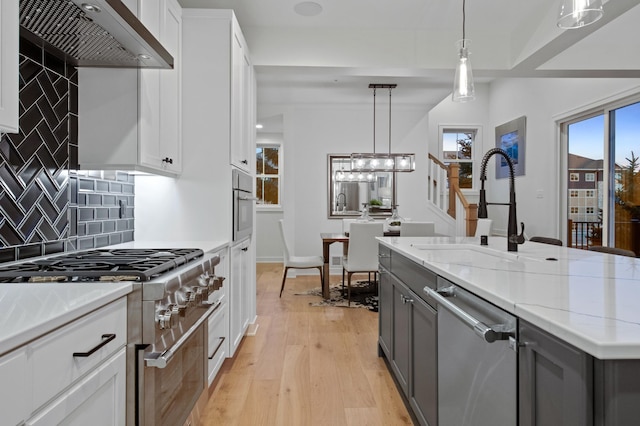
(349, 191)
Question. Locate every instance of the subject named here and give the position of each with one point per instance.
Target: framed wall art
(511, 137)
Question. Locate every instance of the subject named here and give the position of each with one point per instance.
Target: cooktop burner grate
(141, 264)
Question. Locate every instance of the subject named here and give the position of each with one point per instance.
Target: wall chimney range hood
(92, 33)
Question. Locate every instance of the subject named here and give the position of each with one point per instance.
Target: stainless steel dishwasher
(477, 359)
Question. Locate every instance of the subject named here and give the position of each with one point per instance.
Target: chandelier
(372, 162)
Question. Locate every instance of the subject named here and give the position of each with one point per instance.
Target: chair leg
(321, 276)
(343, 282)
(284, 278)
(349, 288)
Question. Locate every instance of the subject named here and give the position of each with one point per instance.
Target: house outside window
(574, 193)
(458, 146)
(574, 210)
(574, 177)
(590, 177)
(590, 210)
(590, 193)
(268, 178)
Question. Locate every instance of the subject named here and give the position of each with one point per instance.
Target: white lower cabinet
(241, 293)
(98, 399)
(14, 392)
(75, 375)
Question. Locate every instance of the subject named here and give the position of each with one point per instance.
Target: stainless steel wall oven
(243, 204)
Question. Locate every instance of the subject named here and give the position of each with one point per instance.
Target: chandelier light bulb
(370, 177)
(360, 162)
(463, 87)
(388, 162)
(403, 162)
(579, 13)
(374, 163)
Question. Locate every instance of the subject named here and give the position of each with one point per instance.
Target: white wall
(543, 102)
(311, 132)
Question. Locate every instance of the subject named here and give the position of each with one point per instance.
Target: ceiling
(333, 56)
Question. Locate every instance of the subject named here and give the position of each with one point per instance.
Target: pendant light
(463, 88)
(579, 13)
(378, 162)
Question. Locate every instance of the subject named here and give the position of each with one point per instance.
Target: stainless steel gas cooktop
(100, 264)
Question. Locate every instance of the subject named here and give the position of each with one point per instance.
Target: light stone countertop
(588, 299)
(31, 310)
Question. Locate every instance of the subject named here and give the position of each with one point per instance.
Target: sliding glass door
(603, 180)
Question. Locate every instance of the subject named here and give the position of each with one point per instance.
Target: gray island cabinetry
(574, 366)
(408, 332)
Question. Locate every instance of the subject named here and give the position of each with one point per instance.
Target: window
(574, 193)
(574, 210)
(574, 177)
(604, 141)
(458, 147)
(268, 179)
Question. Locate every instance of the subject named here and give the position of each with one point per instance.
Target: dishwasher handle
(481, 329)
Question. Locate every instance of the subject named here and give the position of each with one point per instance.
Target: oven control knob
(190, 298)
(215, 283)
(196, 296)
(179, 310)
(203, 292)
(166, 319)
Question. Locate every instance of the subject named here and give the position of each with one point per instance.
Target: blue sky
(586, 138)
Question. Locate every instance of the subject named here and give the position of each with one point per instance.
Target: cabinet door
(238, 316)
(555, 381)
(9, 66)
(423, 383)
(401, 333)
(385, 312)
(160, 104)
(242, 103)
(99, 398)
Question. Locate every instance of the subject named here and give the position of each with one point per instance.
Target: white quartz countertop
(31, 310)
(206, 246)
(588, 299)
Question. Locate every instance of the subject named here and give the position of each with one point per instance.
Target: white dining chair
(362, 255)
(483, 227)
(417, 229)
(297, 262)
(346, 223)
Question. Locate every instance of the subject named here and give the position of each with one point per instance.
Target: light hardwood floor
(306, 365)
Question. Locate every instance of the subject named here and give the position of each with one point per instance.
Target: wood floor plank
(306, 366)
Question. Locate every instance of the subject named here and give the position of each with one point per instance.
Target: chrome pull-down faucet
(513, 238)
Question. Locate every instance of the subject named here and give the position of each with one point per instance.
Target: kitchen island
(578, 334)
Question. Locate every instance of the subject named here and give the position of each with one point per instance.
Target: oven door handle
(162, 359)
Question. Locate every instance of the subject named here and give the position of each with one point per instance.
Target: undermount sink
(467, 253)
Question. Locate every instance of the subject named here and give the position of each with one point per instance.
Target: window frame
(278, 206)
(476, 147)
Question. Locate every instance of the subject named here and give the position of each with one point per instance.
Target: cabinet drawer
(54, 365)
(218, 341)
(384, 256)
(14, 376)
(413, 275)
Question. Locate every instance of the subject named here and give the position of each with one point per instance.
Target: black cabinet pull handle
(244, 248)
(244, 162)
(167, 160)
(107, 338)
(220, 342)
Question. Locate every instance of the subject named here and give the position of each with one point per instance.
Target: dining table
(329, 238)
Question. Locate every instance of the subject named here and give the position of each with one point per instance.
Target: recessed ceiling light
(259, 126)
(308, 8)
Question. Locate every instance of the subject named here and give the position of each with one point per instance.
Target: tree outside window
(268, 175)
(457, 147)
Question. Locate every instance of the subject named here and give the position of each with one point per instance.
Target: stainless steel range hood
(92, 33)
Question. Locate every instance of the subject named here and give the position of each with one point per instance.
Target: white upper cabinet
(160, 108)
(242, 103)
(9, 66)
(132, 119)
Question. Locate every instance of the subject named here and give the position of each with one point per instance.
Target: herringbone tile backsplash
(38, 177)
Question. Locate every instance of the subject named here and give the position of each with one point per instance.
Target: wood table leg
(325, 271)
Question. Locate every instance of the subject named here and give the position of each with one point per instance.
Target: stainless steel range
(174, 294)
